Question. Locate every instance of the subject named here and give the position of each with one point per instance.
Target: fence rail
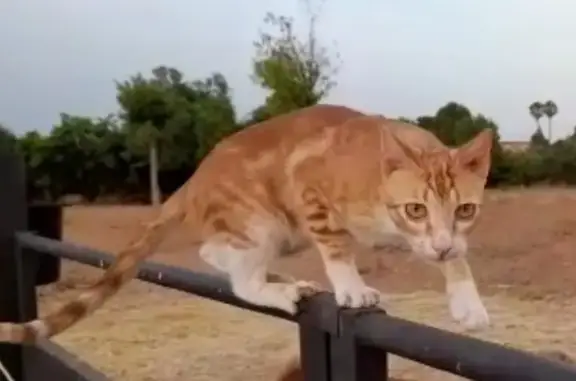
(457, 354)
(335, 344)
(198, 283)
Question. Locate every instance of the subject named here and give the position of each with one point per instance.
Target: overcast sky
(399, 57)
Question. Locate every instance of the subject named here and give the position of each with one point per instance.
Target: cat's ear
(398, 154)
(474, 156)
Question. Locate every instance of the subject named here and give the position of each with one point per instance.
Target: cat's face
(436, 197)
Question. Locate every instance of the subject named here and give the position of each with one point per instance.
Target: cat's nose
(442, 245)
(445, 254)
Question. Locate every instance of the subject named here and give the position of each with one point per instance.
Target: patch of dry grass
(148, 333)
(523, 256)
(528, 325)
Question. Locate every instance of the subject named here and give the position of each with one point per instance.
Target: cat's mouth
(428, 254)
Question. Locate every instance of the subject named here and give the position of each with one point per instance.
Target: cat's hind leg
(246, 263)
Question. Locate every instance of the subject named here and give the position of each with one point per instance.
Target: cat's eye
(416, 211)
(466, 211)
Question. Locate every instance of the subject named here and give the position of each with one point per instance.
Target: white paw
(466, 306)
(294, 292)
(306, 289)
(357, 296)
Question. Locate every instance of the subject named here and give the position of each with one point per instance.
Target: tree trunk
(550, 130)
(154, 186)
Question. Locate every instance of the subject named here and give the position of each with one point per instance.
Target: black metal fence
(335, 344)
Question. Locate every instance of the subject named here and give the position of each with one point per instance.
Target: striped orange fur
(324, 175)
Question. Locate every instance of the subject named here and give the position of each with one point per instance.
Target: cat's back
(288, 130)
(268, 143)
(261, 150)
(367, 129)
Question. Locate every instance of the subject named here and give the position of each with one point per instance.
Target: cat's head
(435, 196)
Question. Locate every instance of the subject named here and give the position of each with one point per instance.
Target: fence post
(314, 340)
(350, 359)
(17, 283)
(46, 221)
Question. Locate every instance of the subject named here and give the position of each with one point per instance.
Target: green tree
(453, 123)
(80, 155)
(214, 113)
(536, 110)
(538, 140)
(172, 123)
(297, 72)
(550, 109)
(147, 107)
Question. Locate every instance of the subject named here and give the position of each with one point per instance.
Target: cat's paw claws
(357, 297)
(298, 290)
(307, 288)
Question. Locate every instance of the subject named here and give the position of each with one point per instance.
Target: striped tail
(122, 270)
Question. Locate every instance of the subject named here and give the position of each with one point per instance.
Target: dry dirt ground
(523, 254)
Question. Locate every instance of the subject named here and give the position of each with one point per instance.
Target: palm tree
(550, 110)
(537, 112)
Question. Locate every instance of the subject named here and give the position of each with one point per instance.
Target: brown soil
(521, 253)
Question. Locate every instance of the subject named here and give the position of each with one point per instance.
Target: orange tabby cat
(325, 175)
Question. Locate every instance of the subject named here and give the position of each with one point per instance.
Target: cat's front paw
(357, 296)
(466, 306)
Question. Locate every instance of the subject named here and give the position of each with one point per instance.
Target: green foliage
(297, 72)
(171, 123)
(96, 157)
(214, 112)
(537, 110)
(538, 140)
(184, 119)
(80, 155)
(550, 109)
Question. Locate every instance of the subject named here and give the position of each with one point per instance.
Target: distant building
(515, 145)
